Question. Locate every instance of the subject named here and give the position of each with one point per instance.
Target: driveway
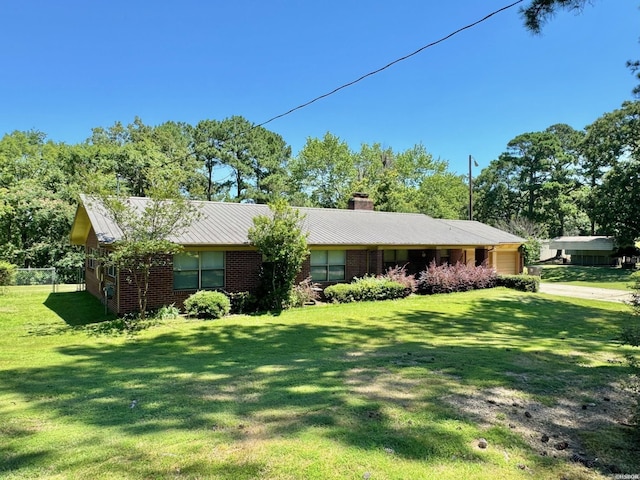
(590, 293)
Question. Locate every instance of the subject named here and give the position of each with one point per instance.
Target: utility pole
(471, 187)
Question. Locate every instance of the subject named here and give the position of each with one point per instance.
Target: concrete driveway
(590, 293)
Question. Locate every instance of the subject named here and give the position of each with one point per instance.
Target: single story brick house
(344, 243)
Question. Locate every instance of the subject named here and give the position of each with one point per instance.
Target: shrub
(166, 312)
(7, 273)
(524, 283)
(242, 302)
(399, 274)
(531, 250)
(365, 288)
(281, 240)
(305, 293)
(455, 278)
(205, 304)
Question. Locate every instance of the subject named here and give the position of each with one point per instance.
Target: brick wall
(356, 264)
(160, 291)
(241, 275)
(242, 269)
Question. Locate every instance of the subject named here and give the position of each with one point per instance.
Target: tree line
(563, 181)
(223, 160)
(555, 182)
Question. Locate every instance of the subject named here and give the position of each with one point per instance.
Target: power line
(374, 72)
(390, 64)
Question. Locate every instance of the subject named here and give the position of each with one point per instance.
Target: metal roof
(584, 242)
(227, 224)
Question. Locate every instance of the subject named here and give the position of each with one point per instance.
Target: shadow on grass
(77, 308)
(370, 385)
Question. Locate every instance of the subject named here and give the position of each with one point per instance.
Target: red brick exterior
(241, 275)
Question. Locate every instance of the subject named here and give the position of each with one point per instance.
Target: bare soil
(555, 430)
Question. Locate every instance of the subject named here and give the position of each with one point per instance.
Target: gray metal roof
(227, 224)
(585, 242)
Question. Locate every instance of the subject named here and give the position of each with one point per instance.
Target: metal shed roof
(591, 243)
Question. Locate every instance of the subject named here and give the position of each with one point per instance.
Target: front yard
(599, 277)
(397, 389)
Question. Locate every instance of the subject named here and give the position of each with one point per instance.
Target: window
(91, 258)
(395, 257)
(198, 270)
(328, 265)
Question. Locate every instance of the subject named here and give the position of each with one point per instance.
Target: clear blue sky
(72, 65)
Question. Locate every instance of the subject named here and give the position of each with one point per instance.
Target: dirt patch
(551, 430)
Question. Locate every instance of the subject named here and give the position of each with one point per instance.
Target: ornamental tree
(145, 242)
(283, 244)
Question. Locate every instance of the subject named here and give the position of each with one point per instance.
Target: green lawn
(327, 392)
(601, 277)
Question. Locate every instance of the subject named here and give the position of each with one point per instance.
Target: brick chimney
(360, 201)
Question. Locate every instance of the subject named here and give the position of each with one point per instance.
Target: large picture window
(328, 265)
(198, 270)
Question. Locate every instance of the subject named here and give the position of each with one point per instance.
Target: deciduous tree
(146, 232)
(282, 242)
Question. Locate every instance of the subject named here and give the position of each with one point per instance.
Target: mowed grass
(327, 392)
(600, 277)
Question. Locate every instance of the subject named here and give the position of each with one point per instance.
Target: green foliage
(326, 173)
(365, 289)
(523, 283)
(251, 157)
(305, 293)
(635, 294)
(536, 180)
(242, 302)
(207, 304)
(69, 267)
(630, 335)
(166, 312)
(283, 244)
(531, 250)
(325, 170)
(144, 243)
(35, 276)
(7, 273)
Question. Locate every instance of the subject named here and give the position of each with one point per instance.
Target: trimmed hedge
(524, 283)
(455, 278)
(364, 289)
(205, 304)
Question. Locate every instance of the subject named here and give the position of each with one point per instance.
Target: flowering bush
(455, 278)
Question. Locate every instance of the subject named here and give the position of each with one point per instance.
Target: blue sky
(72, 65)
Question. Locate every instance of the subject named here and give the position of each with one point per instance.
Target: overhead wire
(390, 64)
(376, 71)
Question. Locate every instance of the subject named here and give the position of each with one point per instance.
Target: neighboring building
(343, 243)
(585, 250)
